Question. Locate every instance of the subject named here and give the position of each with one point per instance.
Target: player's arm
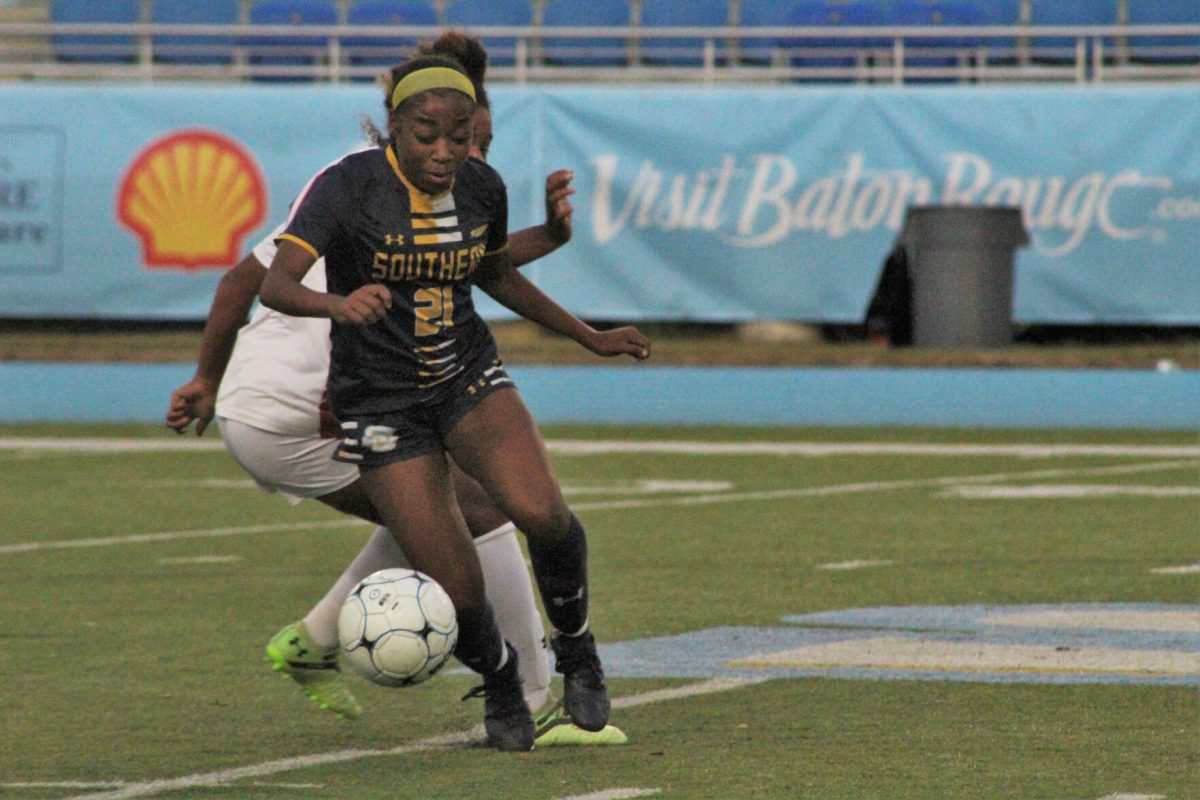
(283, 291)
(534, 242)
(195, 401)
(499, 278)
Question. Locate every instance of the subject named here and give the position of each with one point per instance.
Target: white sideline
(459, 738)
(614, 505)
(588, 447)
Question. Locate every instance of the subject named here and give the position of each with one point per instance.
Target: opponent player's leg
(415, 498)
(299, 467)
(498, 444)
(303, 467)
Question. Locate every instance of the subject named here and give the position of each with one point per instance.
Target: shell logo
(191, 198)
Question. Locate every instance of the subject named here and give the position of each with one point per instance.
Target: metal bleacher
(704, 41)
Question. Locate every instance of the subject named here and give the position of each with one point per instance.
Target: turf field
(832, 614)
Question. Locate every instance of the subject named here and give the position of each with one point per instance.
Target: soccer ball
(397, 627)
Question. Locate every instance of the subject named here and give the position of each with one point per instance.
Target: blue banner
(710, 204)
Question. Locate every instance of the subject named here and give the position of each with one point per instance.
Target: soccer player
(267, 407)
(406, 230)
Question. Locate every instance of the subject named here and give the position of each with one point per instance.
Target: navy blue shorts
(374, 439)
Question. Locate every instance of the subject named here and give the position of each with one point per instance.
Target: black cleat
(585, 697)
(506, 716)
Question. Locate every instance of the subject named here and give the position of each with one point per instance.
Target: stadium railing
(541, 53)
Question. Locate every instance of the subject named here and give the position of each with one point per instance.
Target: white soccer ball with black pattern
(397, 627)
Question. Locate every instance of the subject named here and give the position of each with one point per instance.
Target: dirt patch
(764, 345)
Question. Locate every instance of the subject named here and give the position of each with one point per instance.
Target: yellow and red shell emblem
(191, 198)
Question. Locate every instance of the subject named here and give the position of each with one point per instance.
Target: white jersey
(277, 371)
(276, 374)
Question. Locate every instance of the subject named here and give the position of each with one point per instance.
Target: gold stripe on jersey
(421, 203)
(297, 240)
(439, 229)
(453, 371)
(435, 347)
(436, 370)
(436, 217)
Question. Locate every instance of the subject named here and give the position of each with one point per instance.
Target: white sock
(380, 552)
(510, 591)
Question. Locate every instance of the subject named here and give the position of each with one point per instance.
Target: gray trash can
(961, 266)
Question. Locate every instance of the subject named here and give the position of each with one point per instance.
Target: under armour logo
(396, 240)
(562, 601)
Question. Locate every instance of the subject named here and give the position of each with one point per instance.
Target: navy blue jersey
(373, 226)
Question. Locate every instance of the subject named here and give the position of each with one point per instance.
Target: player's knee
(542, 522)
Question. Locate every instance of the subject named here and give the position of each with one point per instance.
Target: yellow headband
(422, 80)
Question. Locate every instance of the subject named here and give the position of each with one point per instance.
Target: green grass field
(139, 585)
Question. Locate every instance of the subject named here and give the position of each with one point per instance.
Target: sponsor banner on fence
(713, 204)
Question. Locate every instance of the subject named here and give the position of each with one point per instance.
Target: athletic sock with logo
(561, 573)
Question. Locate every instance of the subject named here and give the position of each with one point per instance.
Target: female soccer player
(406, 230)
(266, 405)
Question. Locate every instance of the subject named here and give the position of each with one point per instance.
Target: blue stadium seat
(1077, 12)
(765, 14)
(681, 14)
(181, 49)
(292, 50)
(835, 14)
(386, 52)
(940, 51)
(95, 48)
(470, 14)
(999, 12)
(586, 51)
(1164, 12)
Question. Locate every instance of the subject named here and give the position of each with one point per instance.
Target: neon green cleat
(313, 668)
(553, 728)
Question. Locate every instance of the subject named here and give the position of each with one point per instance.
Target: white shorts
(297, 467)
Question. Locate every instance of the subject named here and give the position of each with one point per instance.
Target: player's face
(483, 133)
(433, 138)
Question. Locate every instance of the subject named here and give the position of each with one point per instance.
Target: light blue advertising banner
(692, 203)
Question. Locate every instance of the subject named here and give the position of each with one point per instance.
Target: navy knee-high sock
(562, 578)
(480, 646)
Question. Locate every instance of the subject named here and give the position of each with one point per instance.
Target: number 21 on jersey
(433, 307)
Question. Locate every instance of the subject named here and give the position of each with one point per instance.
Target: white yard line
(1059, 491)
(615, 505)
(100, 444)
(119, 784)
(615, 793)
(200, 560)
(1185, 569)
(170, 536)
(457, 739)
(589, 447)
(882, 486)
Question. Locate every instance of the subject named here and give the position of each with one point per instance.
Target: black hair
(466, 50)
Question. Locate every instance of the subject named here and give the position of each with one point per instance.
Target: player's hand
(558, 205)
(194, 401)
(365, 305)
(328, 425)
(627, 341)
